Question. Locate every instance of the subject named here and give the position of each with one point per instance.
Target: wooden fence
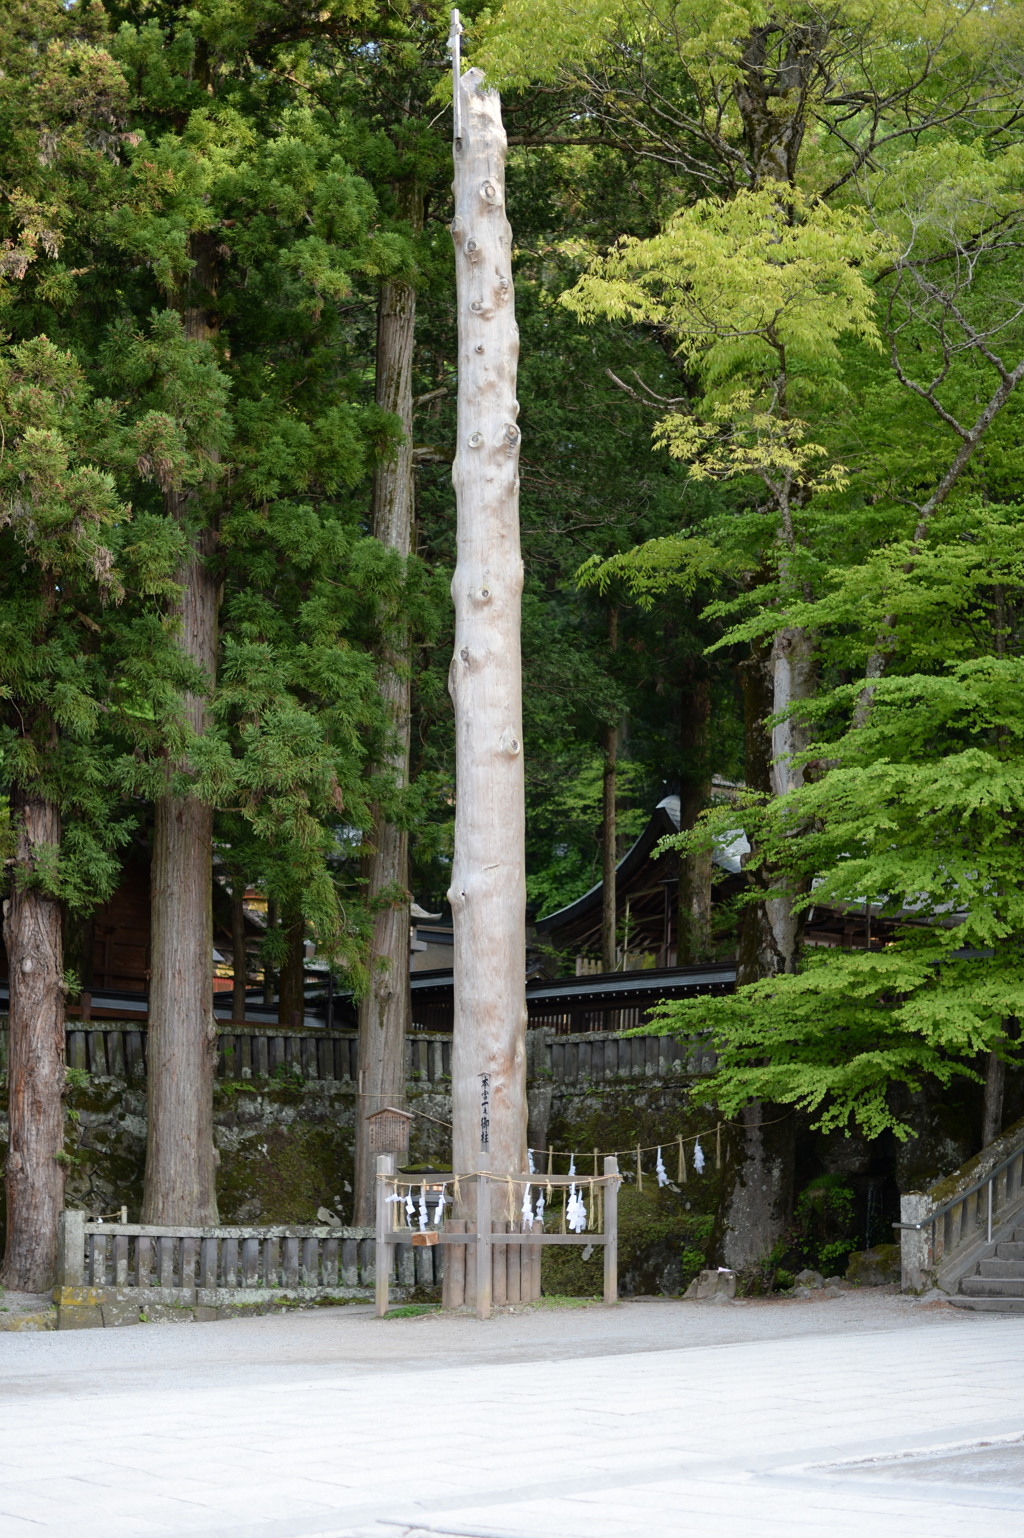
(112, 1273)
(117, 1049)
(481, 1269)
(600, 1055)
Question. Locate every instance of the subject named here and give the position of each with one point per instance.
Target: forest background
(768, 279)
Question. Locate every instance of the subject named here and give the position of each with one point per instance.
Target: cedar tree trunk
(609, 852)
(759, 1184)
(291, 999)
(180, 1184)
(34, 1176)
(694, 902)
(239, 959)
(992, 1104)
(384, 1011)
(609, 823)
(269, 979)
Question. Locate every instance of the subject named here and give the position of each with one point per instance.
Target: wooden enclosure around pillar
(479, 1271)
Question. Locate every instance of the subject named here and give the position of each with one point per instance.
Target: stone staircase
(996, 1285)
(964, 1235)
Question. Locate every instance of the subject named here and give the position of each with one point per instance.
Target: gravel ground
(855, 1414)
(319, 1341)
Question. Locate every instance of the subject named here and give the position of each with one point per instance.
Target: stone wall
(285, 1146)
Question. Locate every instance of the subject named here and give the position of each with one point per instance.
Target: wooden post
(453, 1286)
(382, 1268)
(499, 1264)
(483, 1246)
(488, 890)
(611, 1229)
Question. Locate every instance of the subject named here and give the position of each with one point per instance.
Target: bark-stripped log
(488, 891)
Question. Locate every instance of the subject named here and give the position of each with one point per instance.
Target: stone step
(990, 1305)
(1011, 1249)
(999, 1265)
(991, 1286)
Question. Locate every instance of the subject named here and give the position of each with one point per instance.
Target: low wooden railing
(601, 1055)
(117, 1270)
(117, 1049)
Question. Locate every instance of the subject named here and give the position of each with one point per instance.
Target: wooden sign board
(389, 1131)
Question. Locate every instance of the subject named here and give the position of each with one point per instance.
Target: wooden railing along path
(112, 1273)
(117, 1049)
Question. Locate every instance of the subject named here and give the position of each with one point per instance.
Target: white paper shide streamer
(660, 1170)
(439, 1209)
(527, 1208)
(698, 1157)
(576, 1211)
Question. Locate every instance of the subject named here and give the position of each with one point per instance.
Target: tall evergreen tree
(86, 658)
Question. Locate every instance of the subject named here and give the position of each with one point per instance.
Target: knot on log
(491, 194)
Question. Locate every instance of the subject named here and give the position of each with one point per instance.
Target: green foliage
(799, 299)
(79, 599)
(757, 296)
(192, 236)
(916, 815)
(874, 532)
(765, 1275)
(824, 1219)
(729, 96)
(820, 1237)
(568, 823)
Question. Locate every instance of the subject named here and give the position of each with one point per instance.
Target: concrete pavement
(852, 1417)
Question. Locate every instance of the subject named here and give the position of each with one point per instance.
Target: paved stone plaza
(858, 1416)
